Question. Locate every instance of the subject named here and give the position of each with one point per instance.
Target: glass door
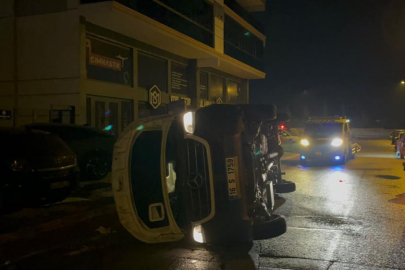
(110, 114)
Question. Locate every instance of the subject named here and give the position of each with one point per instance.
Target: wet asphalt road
(340, 217)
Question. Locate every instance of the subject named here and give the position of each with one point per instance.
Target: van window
(323, 130)
(146, 178)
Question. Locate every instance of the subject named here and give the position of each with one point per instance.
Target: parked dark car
(35, 165)
(93, 147)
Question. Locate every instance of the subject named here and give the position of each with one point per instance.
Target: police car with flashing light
(327, 139)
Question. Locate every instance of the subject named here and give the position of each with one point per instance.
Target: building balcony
(243, 9)
(181, 27)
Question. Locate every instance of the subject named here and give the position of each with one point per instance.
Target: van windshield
(146, 178)
(323, 130)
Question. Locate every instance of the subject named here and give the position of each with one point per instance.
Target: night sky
(326, 57)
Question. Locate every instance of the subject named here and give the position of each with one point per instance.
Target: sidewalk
(38, 229)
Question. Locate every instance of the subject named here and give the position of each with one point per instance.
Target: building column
(219, 17)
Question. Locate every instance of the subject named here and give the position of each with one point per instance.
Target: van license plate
(318, 153)
(231, 174)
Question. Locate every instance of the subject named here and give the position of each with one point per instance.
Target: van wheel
(274, 227)
(95, 167)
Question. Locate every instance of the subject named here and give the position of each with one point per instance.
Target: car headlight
(304, 142)
(189, 122)
(198, 234)
(337, 142)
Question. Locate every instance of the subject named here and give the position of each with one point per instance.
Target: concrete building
(106, 63)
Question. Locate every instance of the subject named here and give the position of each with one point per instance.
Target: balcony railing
(243, 45)
(238, 9)
(192, 18)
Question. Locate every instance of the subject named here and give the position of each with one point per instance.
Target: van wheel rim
(96, 166)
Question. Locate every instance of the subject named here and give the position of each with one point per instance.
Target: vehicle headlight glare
(304, 142)
(337, 142)
(189, 122)
(198, 234)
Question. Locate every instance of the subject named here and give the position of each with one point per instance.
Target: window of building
(152, 71)
(100, 119)
(127, 115)
(204, 85)
(194, 18)
(179, 79)
(242, 44)
(145, 110)
(110, 62)
(113, 118)
(217, 85)
(233, 92)
(88, 111)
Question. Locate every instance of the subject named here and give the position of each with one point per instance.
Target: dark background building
(335, 57)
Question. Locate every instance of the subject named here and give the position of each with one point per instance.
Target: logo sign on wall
(204, 103)
(5, 114)
(175, 98)
(155, 97)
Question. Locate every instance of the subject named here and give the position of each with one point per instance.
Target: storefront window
(110, 62)
(233, 92)
(179, 78)
(152, 71)
(204, 85)
(88, 111)
(110, 114)
(100, 114)
(217, 85)
(113, 118)
(126, 114)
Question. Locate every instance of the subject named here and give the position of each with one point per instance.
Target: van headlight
(337, 142)
(198, 234)
(304, 142)
(189, 122)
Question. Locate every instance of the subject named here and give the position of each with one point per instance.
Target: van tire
(276, 226)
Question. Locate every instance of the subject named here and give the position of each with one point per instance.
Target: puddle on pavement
(348, 226)
(334, 221)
